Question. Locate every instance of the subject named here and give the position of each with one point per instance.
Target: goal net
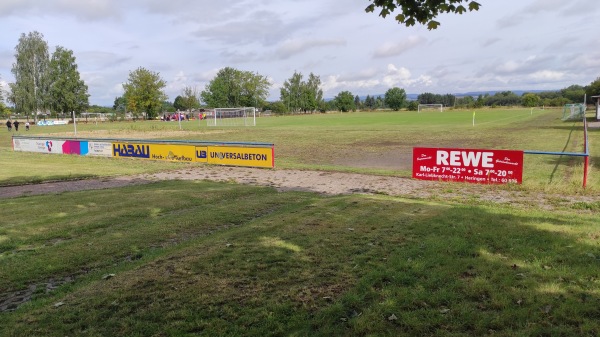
(573, 112)
(232, 117)
(424, 107)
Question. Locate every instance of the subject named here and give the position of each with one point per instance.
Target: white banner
(38, 145)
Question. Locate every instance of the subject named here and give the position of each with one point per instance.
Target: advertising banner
(171, 152)
(50, 123)
(237, 156)
(221, 154)
(468, 165)
(99, 149)
(38, 145)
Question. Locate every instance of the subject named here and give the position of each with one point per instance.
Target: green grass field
(199, 258)
(367, 142)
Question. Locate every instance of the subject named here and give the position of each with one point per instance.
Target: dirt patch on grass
(389, 160)
(321, 182)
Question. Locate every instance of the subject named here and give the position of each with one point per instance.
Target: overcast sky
(508, 44)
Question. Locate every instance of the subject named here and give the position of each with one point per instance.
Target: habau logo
(49, 145)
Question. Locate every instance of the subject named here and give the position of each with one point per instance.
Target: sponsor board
(181, 153)
(468, 165)
(236, 156)
(220, 155)
(50, 123)
(99, 149)
(38, 145)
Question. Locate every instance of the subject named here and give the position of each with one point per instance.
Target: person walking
(27, 126)
(16, 124)
(8, 124)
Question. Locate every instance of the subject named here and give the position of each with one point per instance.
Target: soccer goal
(573, 112)
(232, 117)
(438, 107)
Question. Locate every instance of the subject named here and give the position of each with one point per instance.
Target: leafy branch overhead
(421, 11)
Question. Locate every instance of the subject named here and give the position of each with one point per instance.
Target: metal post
(74, 124)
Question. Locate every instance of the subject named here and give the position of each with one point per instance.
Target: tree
(574, 93)
(67, 91)
(427, 98)
(530, 100)
(395, 98)
(168, 107)
(593, 89)
(370, 102)
(232, 88)
(190, 98)
(254, 88)
(344, 101)
(120, 104)
(277, 108)
(312, 92)
(421, 11)
(178, 103)
(144, 92)
(357, 102)
(379, 104)
(299, 95)
(291, 92)
(412, 106)
(3, 108)
(30, 89)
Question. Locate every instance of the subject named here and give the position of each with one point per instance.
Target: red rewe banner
(468, 165)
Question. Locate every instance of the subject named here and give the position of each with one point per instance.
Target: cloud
(239, 56)
(545, 6)
(375, 81)
(547, 75)
(293, 47)
(528, 65)
(258, 28)
(490, 41)
(82, 10)
(361, 75)
(395, 49)
(95, 60)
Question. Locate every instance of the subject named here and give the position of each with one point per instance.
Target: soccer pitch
(376, 142)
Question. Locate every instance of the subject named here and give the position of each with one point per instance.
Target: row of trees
(44, 83)
(571, 94)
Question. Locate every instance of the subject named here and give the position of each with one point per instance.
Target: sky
(506, 45)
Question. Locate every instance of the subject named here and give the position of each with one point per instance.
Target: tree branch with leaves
(421, 11)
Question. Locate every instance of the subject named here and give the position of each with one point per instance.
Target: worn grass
(356, 142)
(216, 259)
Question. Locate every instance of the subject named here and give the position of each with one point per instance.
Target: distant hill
(413, 97)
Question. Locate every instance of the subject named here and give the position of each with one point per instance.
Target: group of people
(16, 124)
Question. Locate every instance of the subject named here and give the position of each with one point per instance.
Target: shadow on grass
(26, 180)
(340, 266)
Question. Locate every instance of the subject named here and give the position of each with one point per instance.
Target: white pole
(74, 124)
(473, 118)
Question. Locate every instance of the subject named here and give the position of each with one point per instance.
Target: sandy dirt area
(331, 183)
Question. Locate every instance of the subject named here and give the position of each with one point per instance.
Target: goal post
(232, 117)
(572, 112)
(438, 107)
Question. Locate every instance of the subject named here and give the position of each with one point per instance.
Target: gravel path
(316, 181)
